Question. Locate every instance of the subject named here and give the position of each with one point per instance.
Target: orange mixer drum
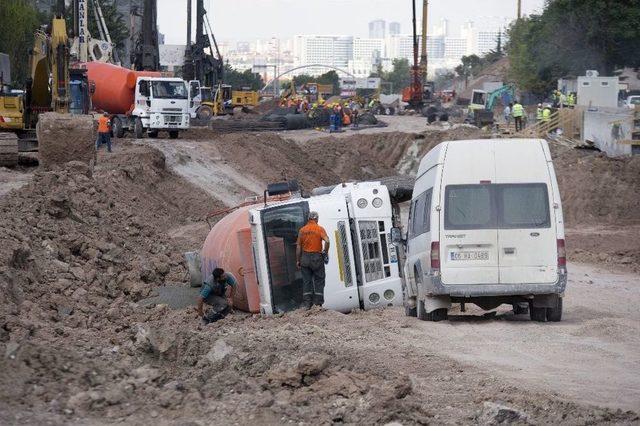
(114, 86)
(228, 246)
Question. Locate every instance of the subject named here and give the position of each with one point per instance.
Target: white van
(485, 227)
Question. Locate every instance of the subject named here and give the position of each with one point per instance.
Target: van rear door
(527, 226)
(468, 234)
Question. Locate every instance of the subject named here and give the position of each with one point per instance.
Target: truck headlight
(374, 298)
(377, 202)
(362, 203)
(389, 294)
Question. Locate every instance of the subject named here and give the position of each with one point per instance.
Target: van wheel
(537, 314)
(435, 316)
(138, 130)
(555, 314)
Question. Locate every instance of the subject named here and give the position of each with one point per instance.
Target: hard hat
(539, 105)
(313, 215)
(106, 114)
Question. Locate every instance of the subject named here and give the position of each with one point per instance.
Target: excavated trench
(81, 247)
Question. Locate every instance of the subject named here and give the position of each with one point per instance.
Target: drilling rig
(146, 53)
(419, 94)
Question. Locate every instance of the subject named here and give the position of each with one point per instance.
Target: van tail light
(435, 255)
(562, 254)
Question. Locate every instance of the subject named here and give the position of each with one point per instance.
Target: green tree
(115, 22)
(399, 76)
(332, 78)
(572, 36)
(19, 21)
(470, 66)
(240, 80)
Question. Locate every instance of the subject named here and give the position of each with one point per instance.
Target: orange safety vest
(103, 124)
(310, 237)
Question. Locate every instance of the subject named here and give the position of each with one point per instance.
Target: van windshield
(502, 206)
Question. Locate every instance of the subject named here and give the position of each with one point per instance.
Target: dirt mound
(596, 189)
(65, 137)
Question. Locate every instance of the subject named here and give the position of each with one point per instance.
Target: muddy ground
(80, 248)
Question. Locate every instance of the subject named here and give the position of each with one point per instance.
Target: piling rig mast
(206, 67)
(146, 54)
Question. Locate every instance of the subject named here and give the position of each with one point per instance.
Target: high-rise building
(487, 41)
(377, 29)
(394, 28)
(336, 51)
(368, 49)
(455, 47)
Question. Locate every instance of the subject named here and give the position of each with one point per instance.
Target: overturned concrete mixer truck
(257, 243)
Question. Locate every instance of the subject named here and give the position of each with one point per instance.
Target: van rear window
(502, 206)
(469, 207)
(523, 206)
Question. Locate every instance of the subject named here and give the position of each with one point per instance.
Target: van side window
(420, 220)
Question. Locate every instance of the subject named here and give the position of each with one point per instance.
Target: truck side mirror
(396, 236)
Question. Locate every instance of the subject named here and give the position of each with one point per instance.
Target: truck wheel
(153, 133)
(173, 134)
(204, 112)
(138, 130)
(118, 130)
(411, 312)
(537, 314)
(555, 314)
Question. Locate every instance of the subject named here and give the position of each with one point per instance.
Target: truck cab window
(281, 226)
(143, 88)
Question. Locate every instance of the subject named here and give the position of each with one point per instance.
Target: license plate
(469, 255)
(173, 124)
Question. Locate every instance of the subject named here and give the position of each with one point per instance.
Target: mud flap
(431, 303)
(545, 300)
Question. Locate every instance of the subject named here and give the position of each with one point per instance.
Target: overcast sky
(251, 19)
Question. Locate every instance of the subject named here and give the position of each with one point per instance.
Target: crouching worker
(217, 292)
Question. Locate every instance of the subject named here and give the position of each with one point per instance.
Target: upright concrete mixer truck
(257, 243)
(142, 102)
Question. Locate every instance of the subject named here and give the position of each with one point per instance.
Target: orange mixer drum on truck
(229, 246)
(114, 86)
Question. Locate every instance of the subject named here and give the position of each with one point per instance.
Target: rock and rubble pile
(65, 137)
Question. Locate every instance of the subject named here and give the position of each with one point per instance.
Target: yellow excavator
(51, 86)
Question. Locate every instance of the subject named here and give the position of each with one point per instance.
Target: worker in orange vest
(104, 131)
(311, 258)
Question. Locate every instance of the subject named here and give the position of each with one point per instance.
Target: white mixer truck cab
(486, 227)
(363, 269)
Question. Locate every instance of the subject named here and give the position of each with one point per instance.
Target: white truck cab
(160, 104)
(363, 270)
(486, 227)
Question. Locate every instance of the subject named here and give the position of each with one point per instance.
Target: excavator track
(8, 149)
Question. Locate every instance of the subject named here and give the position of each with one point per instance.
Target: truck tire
(138, 130)
(118, 129)
(153, 134)
(411, 312)
(204, 112)
(555, 314)
(173, 134)
(537, 314)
